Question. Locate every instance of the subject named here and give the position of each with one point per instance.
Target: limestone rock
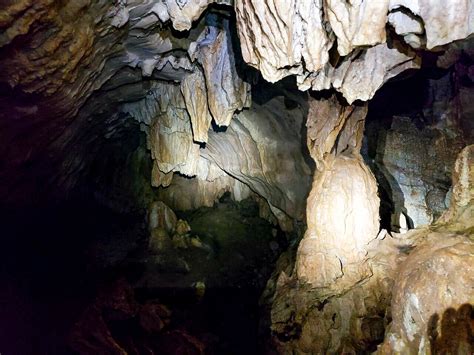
(171, 138)
(362, 73)
(226, 90)
(409, 26)
(277, 37)
(326, 121)
(184, 194)
(342, 218)
(461, 210)
(359, 23)
(443, 22)
(428, 291)
(161, 216)
(180, 241)
(248, 148)
(183, 12)
(241, 160)
(305, 319)
(159, 242)
(287, 38)
(182, 227)
(194, 91)
(409, 161)
(341, 214)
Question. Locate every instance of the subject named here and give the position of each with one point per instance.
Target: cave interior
(236, 177)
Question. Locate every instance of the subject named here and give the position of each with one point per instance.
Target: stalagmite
(342, 214)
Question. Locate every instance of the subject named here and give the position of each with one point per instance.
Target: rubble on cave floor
(208, 267)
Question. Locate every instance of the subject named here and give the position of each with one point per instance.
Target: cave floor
(56, 265)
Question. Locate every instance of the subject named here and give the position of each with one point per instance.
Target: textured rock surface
(322, 299)
(334, 128)
(427, 272)
(161, 216)
(295, 37)
(432, 298)
(443, 22)
(276, 37)
(345, 307)
(227, 92)
(314, 320)
(74, 72)
(67, 88)
(412, 145)
(362, 73)
(341, 213)
(361, 23)
(194, 91)
(430, 286)
(461, 210)
(409, 160)
(260, 152)
(342, 218)
(262, 149)
(71, 87)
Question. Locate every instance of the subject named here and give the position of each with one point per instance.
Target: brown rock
(159, 241)
(162, 217)
(154, 317)
(182, 227)
(436, 278)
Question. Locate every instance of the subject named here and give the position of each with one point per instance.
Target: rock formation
(331, 253)
(141, 104)
(429, 287)
(298, 37)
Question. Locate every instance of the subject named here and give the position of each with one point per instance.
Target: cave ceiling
(74, 71)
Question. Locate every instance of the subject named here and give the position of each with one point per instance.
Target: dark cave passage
(56, 265)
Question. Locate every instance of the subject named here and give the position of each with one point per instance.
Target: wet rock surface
(428, 288)
(416, 297)
(412, 146)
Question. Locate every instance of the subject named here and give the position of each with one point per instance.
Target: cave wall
(412, 145)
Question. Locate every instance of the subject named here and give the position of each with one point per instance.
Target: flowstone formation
(321, 42)
(411, 282)
(73, 72)
(331, 253)
(432, 295)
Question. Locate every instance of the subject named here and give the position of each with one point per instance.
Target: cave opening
(236, 177)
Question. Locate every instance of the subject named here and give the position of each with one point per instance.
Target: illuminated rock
(342, 217)
(277, 38)
(357, 24)
(432, 284)
(226, 91)
(362, 73)
(460, 214)
(409, 159)
(161, 216)
(194, 91)
(341, 213)
(443, 22)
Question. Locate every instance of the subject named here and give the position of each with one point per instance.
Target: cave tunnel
(236, 177)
